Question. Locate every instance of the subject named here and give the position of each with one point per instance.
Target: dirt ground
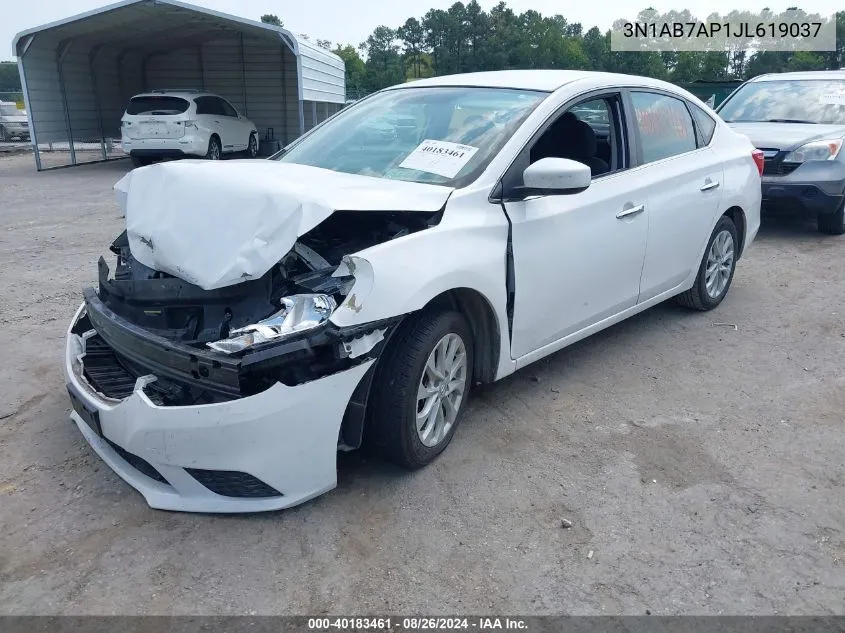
(700, 463)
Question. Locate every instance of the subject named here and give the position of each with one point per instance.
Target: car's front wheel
(215, 150)
(716, 270)
(421, 387)
(833, 223)
(252, 147)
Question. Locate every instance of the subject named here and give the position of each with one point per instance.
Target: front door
(578, 257)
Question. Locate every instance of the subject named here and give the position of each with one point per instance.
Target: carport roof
(155, 25)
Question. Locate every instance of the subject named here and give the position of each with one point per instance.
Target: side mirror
(557, 175)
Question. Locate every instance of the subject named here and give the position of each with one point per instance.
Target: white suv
(177, 123)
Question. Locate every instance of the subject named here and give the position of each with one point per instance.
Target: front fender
(404, 275)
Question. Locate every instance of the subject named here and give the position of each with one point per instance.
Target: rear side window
(157, 105)
(208, 105)
(227, 108)
(706, 125)
(665, 125)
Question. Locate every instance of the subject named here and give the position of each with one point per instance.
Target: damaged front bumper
(236, 452)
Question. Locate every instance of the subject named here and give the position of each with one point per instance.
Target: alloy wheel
(720, 263)
(441, 389)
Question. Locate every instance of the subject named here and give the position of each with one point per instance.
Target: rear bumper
(188, 145)
(286, 438)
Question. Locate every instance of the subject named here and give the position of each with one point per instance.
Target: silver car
(13, 122)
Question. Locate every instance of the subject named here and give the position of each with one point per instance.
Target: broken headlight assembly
(299, 313)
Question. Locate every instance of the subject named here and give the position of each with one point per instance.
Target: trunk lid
(153, 127)
(155, 116)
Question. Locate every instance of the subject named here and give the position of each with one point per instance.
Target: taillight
(758, 159)
(192, 124)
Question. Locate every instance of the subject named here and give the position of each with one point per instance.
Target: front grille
(108, 375)
(104, 371)
(778, 168)
(137, 463)
(230, 483)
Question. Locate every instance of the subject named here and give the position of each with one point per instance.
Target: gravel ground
(700, 463)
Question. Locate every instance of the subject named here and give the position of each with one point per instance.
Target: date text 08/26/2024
(416, 623)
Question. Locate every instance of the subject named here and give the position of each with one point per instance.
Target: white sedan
(368, 281)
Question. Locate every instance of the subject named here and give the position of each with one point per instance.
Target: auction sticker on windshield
(439, 157)
(833, 99)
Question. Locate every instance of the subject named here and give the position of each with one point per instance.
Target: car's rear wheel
(833, 223)
(252, 147)
(421, 387)
(3, 137)
(716, 270)
(215, 150)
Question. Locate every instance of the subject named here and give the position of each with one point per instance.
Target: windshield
(444, 136)
(804, 101)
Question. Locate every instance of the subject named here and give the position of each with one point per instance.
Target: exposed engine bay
(175, 309)
(150, 322)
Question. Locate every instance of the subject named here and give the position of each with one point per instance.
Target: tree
(324, 44)
(384, 65)
(269, 18)
(466, 38)
(10, 79)
(412, 35)
(596, 49)
(355, 70)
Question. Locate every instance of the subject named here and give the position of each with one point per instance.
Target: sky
(351, 21)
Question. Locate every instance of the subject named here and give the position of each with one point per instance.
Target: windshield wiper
(768, 121)
(789, 121)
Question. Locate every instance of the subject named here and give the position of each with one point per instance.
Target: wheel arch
(737, 216)
(479, 313)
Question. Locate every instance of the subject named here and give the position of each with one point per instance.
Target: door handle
(709, 184)
(625, 213)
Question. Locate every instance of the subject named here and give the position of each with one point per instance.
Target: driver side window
(589, 132)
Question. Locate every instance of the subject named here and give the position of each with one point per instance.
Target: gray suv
(798, 121)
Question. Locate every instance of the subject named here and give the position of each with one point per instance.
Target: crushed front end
(233, 399)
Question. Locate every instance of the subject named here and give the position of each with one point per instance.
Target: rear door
(241, 126)
(683, 175)
(230, 127)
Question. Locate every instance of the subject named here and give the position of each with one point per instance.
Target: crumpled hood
(785, 136)
(219, 223)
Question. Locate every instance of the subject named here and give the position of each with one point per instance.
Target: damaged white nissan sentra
(262, 315)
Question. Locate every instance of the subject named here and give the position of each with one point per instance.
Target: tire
(833, 223)
(215, 149)
(252, 146)
(401, 376)
(699, 297)
(140, 161)
(3, 137)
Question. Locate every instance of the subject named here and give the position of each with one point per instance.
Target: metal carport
(78, 74)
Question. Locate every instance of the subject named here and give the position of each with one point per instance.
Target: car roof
(541, 80)
(185, 93)
(811, 74)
